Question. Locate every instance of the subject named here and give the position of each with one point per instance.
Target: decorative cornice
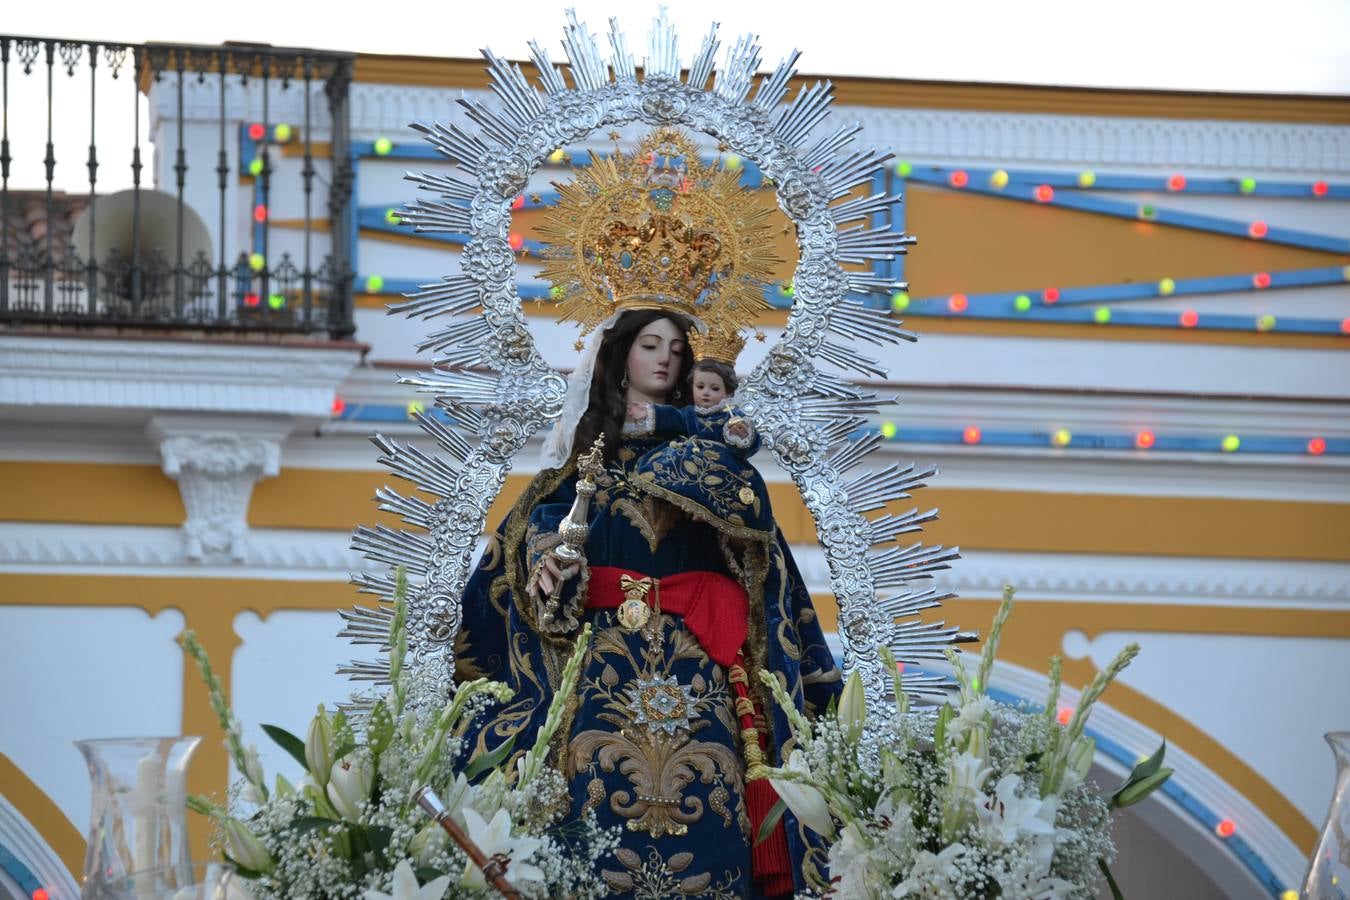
(285, 554)
(195, 376)
(468, 74)
(159, 552)
(935, 122)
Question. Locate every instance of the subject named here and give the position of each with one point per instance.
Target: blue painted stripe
(20, 873)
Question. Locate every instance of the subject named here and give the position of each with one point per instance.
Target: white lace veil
(558, 444)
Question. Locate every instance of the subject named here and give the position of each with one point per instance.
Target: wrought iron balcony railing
(158, 255)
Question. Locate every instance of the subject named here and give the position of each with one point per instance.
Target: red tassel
(769, 861)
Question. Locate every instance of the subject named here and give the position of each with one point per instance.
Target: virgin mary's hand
(552, 575)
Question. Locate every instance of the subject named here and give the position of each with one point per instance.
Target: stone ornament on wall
(216, 470)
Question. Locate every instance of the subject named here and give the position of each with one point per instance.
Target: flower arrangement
(976, 800)
(351, 827)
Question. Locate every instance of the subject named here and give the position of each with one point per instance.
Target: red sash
(715, 607)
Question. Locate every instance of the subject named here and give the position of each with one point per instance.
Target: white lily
(928, 875)
(852, 709)
(349, 785)
(850, 865)
(405, 886)
(245, 848)
(1007, 815)
(806, 802)
(495, 840)
(319, 747)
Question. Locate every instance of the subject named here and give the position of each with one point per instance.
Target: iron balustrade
(162, 283)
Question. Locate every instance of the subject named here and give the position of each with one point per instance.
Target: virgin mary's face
(654, 362)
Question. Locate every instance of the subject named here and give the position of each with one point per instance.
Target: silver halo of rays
(496, 390)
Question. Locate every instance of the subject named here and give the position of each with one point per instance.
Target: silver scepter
(574, 528)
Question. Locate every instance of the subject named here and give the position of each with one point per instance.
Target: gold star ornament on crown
(659, 229)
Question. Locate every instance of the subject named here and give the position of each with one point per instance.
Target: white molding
(286, 554)
(264, 553)
(23, 840)
(1140, 580)
(40, 372)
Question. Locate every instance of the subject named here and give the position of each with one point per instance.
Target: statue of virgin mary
(686, 581)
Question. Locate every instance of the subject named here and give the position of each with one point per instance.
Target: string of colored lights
(1055, 438)
(1086, 304)
(984, 181)
(1176, 183)
(1049, 304)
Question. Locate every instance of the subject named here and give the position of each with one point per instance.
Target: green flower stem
(435, 744)
(991, 643)
(398, 640)
(1080, 715)
(897, 683)
(801, 729)
(224, 715)
(566, 688)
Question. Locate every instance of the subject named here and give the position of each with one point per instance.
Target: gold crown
(716, 345)
(658, 230)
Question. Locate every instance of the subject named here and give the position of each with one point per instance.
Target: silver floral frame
(810, 417)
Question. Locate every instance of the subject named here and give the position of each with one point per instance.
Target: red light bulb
(252, 300)
(1225, 828)
(958, 303)
(260, 213)
(958, 179)
(1176, 183)
(1044, 193)
(1319, 188)
(1144, 440)
(256, 131)
(1190, 318)
(41, 894)
(1257, 230)
(1064, 716)
(338, 405)
(1345, 326)
(516, 241)
(1261, 280)
(1317, 446)
(1050, 295)
(971, 435)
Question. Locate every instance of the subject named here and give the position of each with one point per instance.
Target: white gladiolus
(349, 785)
(967, 774)
(805, 801)
(319, 747)
(1080, 761)
(245, 848)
